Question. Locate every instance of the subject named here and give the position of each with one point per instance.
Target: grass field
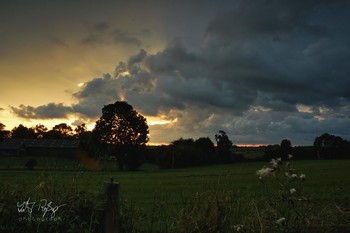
(167, 200)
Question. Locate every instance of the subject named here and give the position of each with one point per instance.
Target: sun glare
(90, 127)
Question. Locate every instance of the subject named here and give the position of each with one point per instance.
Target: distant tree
(183, 142)
(60, 131)
(40, 131)
(224, 145)
(85, 137)
(80, 129)
(122, 131)
(3, 133)
(2, 126)
(183, 153)
(272, 151)
(53, 134)
(286, 148)
(330, 146)
(22, 132)
(207, 147)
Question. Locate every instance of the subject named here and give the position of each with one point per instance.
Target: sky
(260, 70)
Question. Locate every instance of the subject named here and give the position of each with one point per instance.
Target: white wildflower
(292, 191)
(302, 177)
(274, 163)
(290, 156)
(238, 228)
(264, 171)
(294, 176)
(280, 220)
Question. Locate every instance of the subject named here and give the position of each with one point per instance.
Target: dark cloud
(105, 33)
(254, 18)
(263, 71)
(95, 94)
(49, 111)
(123, 37)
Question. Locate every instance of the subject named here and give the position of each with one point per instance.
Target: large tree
(123, 132)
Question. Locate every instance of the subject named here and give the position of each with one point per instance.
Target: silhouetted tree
(22, 132)
(3, 133)
(60, 131)
(85, 136)
(63, 129)
(272, 151)
(2, 126)
(208, 149)
(80, 129)
(224, 145)
(286, 148)
(183, 153)
(40, 131)
(330, 146)
(122, 131)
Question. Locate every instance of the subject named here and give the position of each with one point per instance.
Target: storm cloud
(261, 71)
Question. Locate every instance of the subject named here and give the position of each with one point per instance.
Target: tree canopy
(123, 130)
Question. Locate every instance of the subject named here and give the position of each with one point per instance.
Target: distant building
(39, 147)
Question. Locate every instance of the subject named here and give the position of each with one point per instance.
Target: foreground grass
(226, 198)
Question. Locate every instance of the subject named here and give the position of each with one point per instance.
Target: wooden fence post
(112, 224)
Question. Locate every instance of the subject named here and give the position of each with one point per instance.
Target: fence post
(112, 224)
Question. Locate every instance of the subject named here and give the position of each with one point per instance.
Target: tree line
(189, 152)
(122, 133)
(59, 131)
(325, 146)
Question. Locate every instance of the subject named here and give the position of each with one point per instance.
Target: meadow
(220, 198)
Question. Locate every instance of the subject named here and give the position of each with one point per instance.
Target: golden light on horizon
(90, 127)
(161, 120)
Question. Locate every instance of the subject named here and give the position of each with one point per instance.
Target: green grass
(159, 196)
(324, 178)
(250, 152)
